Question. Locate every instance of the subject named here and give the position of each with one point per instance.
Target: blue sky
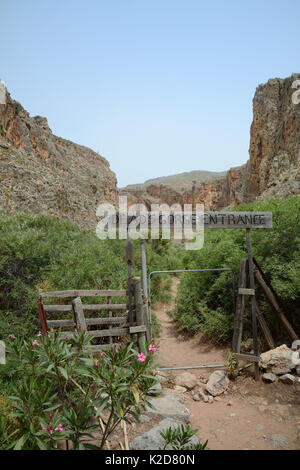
(157, 87)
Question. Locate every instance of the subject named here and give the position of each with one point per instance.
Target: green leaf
(20, 442)
(135, 393)
(63, 372)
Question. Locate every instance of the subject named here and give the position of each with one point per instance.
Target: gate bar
(217, 366)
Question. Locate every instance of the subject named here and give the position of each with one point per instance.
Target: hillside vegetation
(205, 302)
(38, 251)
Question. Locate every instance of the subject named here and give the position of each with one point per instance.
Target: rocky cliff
(273, 167)
(43, 173)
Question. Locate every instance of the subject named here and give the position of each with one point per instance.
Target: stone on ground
(269, 377)
(187, 380)
(279, 361)
(169, 406)
(296, 345)
(196, 397)
(178, 388)
(288, 379)
(218, 383)
(152, 440)
(278, 440)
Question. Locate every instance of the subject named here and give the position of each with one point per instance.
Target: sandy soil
(248, 414)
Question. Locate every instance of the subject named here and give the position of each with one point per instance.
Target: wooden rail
(116, 326)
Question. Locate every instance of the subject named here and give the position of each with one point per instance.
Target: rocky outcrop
(273, 167)
(45, 174)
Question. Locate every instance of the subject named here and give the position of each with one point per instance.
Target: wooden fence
(117, 322)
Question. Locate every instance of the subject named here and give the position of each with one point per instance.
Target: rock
(156, 387)
(203, 396)
(287, 379)
(272, 169)
(278, 440)
(210, 399)
(203, 379)
(298, 371)
(218, 383)
(144, 419)
(178, 388)
(152, 440)
(168, 406)
(262, 408)
(269, 377)
(186, 379)
(277, 361)
(296, 345)
(45, 174)
(229, 403)
(196, 397)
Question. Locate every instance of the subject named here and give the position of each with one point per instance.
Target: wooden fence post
(78, 314)
(42, 316)
(253, 302)
(240, 306)
(139, 313)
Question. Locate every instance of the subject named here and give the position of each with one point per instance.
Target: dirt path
(250, 415)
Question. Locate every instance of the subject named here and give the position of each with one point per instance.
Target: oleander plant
(62, 394)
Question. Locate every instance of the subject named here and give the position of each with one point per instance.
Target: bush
(39, 251)
(115, 386)
(204, 300)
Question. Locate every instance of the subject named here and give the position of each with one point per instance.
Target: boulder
(269, 377)
(218, 383)
(169, 406)
(152, 440)
(187, 380)
(279, 361)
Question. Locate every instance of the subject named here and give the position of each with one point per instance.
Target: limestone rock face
(278, 361)
(45, 174)
(273, 167)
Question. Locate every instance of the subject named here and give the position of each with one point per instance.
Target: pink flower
(35, 343)
(11, 336)
(59, 428)
(152, 347)
(40, 334)
(141, 357)
(101, 354)
(44, 429)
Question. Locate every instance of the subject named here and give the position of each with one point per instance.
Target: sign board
(196, 219)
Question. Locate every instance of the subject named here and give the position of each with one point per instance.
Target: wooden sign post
(222, 220)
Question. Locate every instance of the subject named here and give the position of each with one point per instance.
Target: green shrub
(39, 251)
(115, 385)
(205, 302)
